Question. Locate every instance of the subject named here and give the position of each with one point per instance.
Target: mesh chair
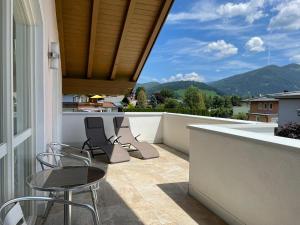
(15, 216)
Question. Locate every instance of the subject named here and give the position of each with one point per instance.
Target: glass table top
(65, 178)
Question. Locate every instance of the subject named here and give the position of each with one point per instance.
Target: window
(23, 169)
(271, 106)
(266, 105)
(21, 78)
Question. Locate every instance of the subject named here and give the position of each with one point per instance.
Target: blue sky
(207, 40)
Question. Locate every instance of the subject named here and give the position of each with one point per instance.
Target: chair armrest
(137, 137)
(54, 200)
(109, 139)
(86, 160)
(117, 140)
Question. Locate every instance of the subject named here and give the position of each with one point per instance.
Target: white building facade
(289, 107)
(30, 100)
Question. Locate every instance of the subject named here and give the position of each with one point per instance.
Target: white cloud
(288, 16)
(295, 58)
(206, 11)
(255, 44)
(193, 76)
(201, 11)
(221, 49)
(252, 10)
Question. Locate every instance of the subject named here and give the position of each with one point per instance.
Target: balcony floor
(144, 192)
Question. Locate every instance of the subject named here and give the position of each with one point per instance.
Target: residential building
(210, 170)
(289, 107)
(263, 109)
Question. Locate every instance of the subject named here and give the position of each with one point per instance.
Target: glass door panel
(22, 169)
(21, 78)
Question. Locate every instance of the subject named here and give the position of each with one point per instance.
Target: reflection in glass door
(23, 158)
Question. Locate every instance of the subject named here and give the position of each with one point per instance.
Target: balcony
(144, 192)
(211, 170)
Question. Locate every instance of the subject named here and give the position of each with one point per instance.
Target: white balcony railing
(238, 169)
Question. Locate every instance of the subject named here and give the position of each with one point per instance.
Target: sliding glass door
(17, 105)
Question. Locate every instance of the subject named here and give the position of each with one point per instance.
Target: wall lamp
(54, 55)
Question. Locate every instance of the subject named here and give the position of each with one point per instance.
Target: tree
(227, 102)
(138, 91)
(171, 103)
(160, 99)
(142, 99)
(208, 101)
(193, 99)
(236, 100)
(125, 100)
(153, 101)
(167, 93)
(218, 102)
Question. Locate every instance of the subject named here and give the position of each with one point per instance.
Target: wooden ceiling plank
(129, 14)
(92, 86)
(155, 31)
(59, 17)
(93, 32)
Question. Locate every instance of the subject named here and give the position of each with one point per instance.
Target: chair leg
(48, 208)
(95, 199)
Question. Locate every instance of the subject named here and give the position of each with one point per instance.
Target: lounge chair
(96, 140)
(126, 138)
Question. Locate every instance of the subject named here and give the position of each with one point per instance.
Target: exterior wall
(51, 87)
(176, 134)
(254, 107)
(149, 125)
(262, 118)
(245, 177)
(288, 111)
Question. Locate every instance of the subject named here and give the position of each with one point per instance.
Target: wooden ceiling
(104, 44)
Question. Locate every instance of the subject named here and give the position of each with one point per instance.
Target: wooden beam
(122, 38)
(155, 31)
(60, 26)
(93, 32)
(91, 86)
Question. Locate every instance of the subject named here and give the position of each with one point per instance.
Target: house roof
(108, 105)
(287, 95)
(104, 44)
(261, 99)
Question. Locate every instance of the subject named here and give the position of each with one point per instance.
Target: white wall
(51, 78)
(149, 125)
(288, 111)
(245, 177)
(176, 134)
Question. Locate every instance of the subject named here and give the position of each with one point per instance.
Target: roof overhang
(104, 44)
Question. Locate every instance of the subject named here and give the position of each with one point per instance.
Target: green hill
(178, 87)
(266, 80)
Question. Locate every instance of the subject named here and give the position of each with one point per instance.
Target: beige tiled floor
(144, 192)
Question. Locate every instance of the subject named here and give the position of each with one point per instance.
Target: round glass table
(68, 179)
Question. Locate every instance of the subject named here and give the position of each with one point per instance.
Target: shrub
(290, 130)
(171, 103)
(240, 116)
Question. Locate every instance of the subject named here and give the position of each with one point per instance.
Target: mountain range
(266, 80)
(178, 87)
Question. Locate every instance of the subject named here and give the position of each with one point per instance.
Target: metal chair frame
(49, 200)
